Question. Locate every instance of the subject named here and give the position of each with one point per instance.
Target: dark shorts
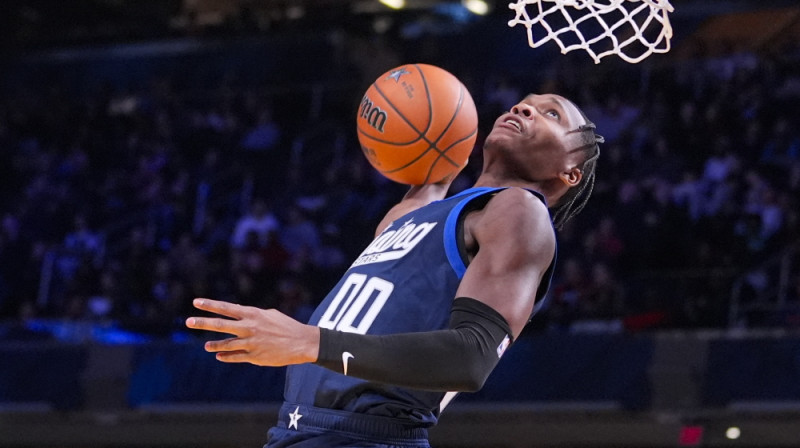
(302, 426)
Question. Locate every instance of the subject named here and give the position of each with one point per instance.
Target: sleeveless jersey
(404, 281)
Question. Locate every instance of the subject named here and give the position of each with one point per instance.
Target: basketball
(417, 124)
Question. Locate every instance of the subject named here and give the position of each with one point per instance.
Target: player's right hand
(261, 337)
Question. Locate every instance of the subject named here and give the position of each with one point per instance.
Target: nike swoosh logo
(346, 357)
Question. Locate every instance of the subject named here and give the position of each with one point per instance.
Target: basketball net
(632, 29)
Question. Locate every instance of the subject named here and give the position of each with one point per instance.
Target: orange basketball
(417, 124)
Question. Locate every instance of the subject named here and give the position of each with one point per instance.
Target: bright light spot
(394, 4)
(733, 433)
(479, 7)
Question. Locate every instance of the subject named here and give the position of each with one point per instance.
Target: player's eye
(553, 114)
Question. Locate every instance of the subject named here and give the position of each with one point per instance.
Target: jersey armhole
(454, 229)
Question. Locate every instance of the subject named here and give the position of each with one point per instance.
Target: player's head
(546, 141)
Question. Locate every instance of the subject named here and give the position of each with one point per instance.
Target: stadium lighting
(394, 4)
(479, 7)
(733, 433)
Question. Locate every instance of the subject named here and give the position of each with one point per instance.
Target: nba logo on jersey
(503, 346)
(394, 244)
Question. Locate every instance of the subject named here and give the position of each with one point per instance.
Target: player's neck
(488, 179)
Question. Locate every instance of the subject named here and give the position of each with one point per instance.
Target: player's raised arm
(417, 196)
(517, 244)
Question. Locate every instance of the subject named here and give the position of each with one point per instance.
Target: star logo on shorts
(397, 73)
(294, 417)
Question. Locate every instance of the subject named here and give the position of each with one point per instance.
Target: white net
(632, 29)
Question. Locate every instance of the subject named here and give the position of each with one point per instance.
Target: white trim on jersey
(448, 397)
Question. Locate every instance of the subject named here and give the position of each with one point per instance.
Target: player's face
(540, 133)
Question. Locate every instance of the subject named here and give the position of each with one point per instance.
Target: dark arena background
(152, 151)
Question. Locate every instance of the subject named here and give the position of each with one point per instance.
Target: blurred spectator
(189, 260)
(264, 135)
(300, 235)
(688, 194)
(82, 242)
(613, 116)
(609, 244)
(603, 297)
(259, 220)
(103, 302)
(569, 286)
(294, 299)
(782, 147)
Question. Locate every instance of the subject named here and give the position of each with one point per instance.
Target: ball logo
(374, 115)
(397, 73)
(370, 153)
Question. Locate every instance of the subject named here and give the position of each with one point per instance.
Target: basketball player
(433, 302)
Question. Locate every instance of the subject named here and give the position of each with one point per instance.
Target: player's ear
(571, 177)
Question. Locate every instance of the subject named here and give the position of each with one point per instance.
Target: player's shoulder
(519, 214)
(516, 222)
(519, 204)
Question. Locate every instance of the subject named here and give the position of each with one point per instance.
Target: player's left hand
(261, 337)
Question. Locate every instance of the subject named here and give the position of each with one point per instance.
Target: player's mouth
(511, 122)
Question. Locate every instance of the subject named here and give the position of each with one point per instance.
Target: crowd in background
(121, 205)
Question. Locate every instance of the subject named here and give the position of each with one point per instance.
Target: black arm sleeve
(456, 359)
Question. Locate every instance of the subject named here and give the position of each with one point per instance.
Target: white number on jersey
(357, 293)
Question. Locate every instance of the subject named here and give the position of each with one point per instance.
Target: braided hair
(574, 200)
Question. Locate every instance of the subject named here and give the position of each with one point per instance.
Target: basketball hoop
(632, 29)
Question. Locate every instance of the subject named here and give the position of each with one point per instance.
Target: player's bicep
(516, 246)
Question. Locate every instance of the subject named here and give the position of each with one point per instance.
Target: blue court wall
(573, 368)
(548, 369)
(185, 373)
(752, 370)
(46, 373)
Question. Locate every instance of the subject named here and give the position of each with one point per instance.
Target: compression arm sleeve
(456, 359)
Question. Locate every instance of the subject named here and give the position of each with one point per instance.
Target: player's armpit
(457, 359)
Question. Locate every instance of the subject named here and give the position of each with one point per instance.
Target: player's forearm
(455, 359)
(437, 360)
(417, 196)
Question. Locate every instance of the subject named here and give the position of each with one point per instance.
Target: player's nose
(523, 109)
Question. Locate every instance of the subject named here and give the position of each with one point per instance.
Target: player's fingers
(232, 357)
(223, 308)
(229, 326)
(226, 345)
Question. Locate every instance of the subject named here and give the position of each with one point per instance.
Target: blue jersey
(404, 281)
